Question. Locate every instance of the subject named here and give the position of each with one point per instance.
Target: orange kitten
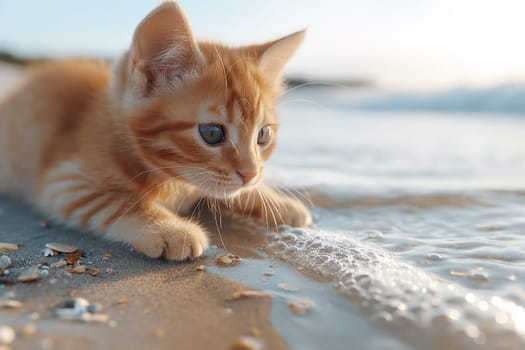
(127, 153)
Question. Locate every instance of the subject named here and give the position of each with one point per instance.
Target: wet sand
(150, 303)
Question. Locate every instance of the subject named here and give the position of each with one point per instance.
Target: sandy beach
(149, 302)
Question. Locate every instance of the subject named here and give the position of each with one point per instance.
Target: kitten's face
(201, 112)
(215, 130)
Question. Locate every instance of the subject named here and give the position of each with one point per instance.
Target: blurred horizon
(403, 45)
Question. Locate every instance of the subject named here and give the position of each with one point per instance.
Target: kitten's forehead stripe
(215, 110)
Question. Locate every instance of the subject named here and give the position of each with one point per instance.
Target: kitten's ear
(273, 56)
(163, 47)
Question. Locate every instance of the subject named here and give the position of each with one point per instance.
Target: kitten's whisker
(171, 167)
(305, 100)
(270, 203)
(313, 83)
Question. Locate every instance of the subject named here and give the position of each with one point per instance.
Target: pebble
(80, 309)
(5, 262)
(247, 294)
(300, 307)
(93, 271)
(29, 275)
(7, 335)
(58, 264)
(79, 269)
(29, 330)
(228, 260)
(287, 287)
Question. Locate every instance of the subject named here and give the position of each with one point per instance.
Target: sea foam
(420, 307)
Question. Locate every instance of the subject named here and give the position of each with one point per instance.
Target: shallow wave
(417, 305)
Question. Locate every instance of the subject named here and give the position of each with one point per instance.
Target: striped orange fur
(126, 151)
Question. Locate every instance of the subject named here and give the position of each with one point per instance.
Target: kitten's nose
(246, 176)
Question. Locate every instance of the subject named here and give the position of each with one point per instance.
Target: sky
(398, 44)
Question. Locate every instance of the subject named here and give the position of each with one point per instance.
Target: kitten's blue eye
(265, 134)
(212, 134)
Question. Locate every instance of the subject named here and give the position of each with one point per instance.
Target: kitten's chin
(229, 192)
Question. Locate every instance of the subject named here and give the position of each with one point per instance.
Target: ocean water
(420, 218)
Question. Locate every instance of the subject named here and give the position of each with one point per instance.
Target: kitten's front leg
(149, 227)
(156, 232)
(273, 207)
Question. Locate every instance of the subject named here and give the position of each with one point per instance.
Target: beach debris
(49, 252)
(8, 247)
(244, 294)
(255, 332)
(45, 224)
(111, 271)
(269, 273)
(7, 335)
(10, 304)
(107, 256)
(247, 343)
(301, 306)
(78, 269)
(29, 275)
(287, 287)
(6, 280)
(29, 330)
(93, 271)
(228, 260)
(60, 263)
(5, 262)
(122, 301)
(72, 258)
(200, 268)
(82, 310)
(62, 247)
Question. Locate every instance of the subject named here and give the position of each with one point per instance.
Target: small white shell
(62, 247)
(10, 304)
(7, 335)
(48, 252)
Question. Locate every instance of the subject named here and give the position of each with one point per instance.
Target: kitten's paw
(293, 213)
(173, 243)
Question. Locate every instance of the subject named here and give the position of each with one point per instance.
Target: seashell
(62, 247)
(7, 335)
(247, 343)
(10, 304)
(4, 247)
